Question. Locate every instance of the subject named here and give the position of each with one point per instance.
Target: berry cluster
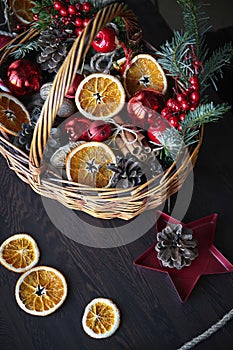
(74, 17)
(178, 106)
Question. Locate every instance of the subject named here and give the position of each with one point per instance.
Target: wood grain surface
(152, 317)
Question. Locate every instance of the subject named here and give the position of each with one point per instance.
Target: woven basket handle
(67, 72)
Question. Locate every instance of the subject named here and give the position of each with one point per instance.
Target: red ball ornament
(72, 90)
(143, 105)
(24, 77)
(76, 128)
(99, 131)
(105, 41)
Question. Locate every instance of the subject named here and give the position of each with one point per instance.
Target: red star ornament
(209, 260)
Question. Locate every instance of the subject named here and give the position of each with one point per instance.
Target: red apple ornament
(105, 41)
(142, 106)
(76, 128)
(98, 131)
(156, 130)
(23, 77)
(72, 90)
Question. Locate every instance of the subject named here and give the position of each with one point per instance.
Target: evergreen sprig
(213, 67)
(196, 25)
(205, 113)
(23, 49)
(173, 56)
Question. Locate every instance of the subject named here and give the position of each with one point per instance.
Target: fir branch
(196, 25)
(171, 141)
(213, 66)
(24, 49)
(172, 56)
(205, 113)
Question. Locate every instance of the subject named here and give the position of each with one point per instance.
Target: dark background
(152, 315)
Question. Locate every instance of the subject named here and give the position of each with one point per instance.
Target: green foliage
(205, 113)
(213, 67)
(171, 142)
(24, 49)
(44, 10)
(195, 25)
(172, 56)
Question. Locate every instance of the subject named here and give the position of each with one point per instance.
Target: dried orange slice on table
(144, 72)
(23, 10)
(41, 290)
(19, 253)
(100, 96)
(87, 164)
(101, 318)
(12, 114)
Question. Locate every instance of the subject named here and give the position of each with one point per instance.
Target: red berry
(78, 22)
(170, 102)
(188, 91)
(78, 31)
(57, 5)
(195, 96)
(166, 111)
(87, 7)
(196, 87)
(185, 106)
(174, 121)
(182, 116)
(176, 106)
(194, 80)
(72, 10)
(63, 12)
(35, 17)
(79, 7)
(105, 40)
(179, 127)
(181, 97)
(86, 21)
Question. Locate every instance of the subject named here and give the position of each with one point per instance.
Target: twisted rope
(213, 329)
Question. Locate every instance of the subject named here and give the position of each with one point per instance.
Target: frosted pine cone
(53, 50)
(176, 246)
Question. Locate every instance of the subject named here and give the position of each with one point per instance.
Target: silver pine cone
(176, 246)
(53, 50)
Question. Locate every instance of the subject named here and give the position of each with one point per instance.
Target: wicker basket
(100, 203)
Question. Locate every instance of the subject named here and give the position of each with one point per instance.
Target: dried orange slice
(144, 72)
(87, 164)
(12, 114)
(100, 96)
(41, 290)
(19, 253)
(101, 318)
(23, 10)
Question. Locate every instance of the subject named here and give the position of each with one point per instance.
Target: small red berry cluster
(74, 17)
(178, 106)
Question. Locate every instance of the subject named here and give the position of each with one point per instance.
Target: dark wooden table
(152, 315)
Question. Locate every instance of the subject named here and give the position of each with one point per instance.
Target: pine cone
(176, 246)
(53, 50)
(128, 172)
(24, 139)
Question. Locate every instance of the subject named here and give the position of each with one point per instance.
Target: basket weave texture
(101, 203)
